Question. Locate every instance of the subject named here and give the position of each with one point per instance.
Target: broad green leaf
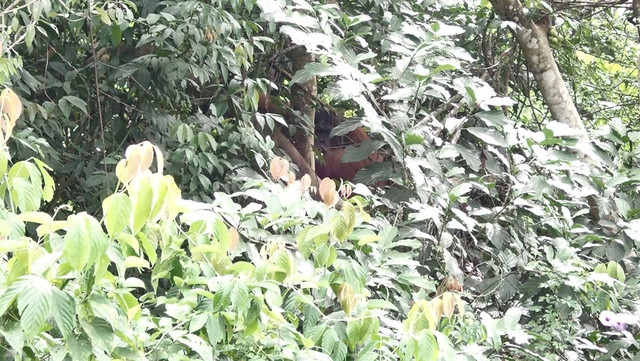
(362, 151)
(26, 194)
(489, 136)
(615, 271)
(77, 102)
(141, 195)
(160, 189)
(117, 210)
(198, 345)
(76, 247)
(4, 162)
(330, 341)
(340, 352)
(383, 304)
(12, 334)
(80, 348)
(98, 240)
(413, 139)
(11, 293)
(511, 318)
(427, 349)
(116, 35)
(63, 312)
(104, 16)
(368, 353)
(99, 331)
(148, 247)
(240, 297)
(129, 240)
(34, 304)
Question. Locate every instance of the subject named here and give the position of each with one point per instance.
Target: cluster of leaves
(541, 242)
(294, 279)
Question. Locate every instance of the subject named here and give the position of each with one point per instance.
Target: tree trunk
(535, 46)
(636, 22)
(301, 96)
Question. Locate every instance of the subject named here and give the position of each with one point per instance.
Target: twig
(97, 85)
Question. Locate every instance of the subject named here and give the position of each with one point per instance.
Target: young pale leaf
(35, 217)
(136, 262)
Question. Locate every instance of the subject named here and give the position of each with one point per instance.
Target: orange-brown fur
(332, 148)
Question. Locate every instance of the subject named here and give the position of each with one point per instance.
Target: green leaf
(363, 151)
(340, 352)
(117, 210)
(215, 329)
(26, 194)
(100, 332)
(615, 271)
(104, 16)
(148, 247)
(11, 293)
(63, 104)
(427, 349)
(382, 304)
(4, 162)
(489, 136)
(142, 197)
(330, 341)
(80, 348)
(34, 304)
(511, 318)
(198, 345)
(49, 183)
(63, 312)
(240, 297)
(30, 35)
(98, 241)
(76, 246)
(160, 190)
(367, 353)
(77, 102)
(355, 275)
(116, 34)
(413, 139)
(12, 334)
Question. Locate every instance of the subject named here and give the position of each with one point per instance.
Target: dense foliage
(145, 213)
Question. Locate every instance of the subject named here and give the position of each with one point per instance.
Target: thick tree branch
(541, 62)
(283, 142)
